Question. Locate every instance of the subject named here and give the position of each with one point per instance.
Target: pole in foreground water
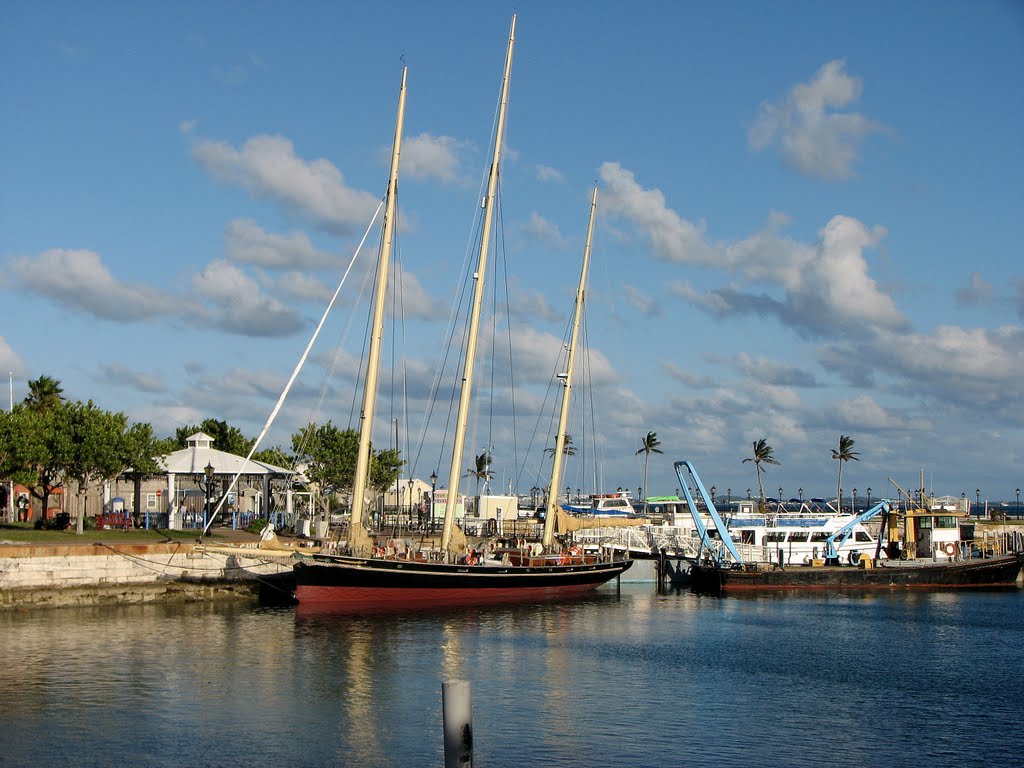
(457, 703)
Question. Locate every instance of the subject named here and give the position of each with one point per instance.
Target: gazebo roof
(200, 452)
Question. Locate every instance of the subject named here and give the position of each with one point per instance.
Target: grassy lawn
(24, 532)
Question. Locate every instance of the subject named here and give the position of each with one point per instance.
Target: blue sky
(810, 223)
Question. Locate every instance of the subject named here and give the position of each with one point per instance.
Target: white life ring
(950, 548)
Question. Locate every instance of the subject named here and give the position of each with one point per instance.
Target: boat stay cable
(295, 373)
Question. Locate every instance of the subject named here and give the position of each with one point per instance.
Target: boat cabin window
(945, 521)
(819, 535)
(861, 536)
(924, 522)
(798, 536)
(775, 536)
(613, 503)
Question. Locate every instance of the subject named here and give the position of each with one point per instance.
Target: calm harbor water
(630, 679)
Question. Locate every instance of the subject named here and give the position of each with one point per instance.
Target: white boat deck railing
(649, 539)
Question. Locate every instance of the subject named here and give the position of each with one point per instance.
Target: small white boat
(615, 504)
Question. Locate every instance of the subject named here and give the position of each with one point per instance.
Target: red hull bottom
(399, 597)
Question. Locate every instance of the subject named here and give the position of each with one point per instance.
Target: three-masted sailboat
(362, 577)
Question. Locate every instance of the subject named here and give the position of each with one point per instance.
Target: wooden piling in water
(457, 706)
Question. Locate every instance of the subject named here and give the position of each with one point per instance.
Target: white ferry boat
(798, 538)
(615, 504)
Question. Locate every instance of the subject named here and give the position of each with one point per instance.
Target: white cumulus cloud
(817, 139)
(426, 156)
(78, 280)
(268, 168)
(245, 241)
(235, 303)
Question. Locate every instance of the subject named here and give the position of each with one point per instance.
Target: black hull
(350, 582)
(993, 572)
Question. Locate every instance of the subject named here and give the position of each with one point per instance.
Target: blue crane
(717, 553)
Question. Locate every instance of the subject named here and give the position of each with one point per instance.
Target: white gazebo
(200, 458)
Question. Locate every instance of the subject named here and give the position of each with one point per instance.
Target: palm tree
(482, 471)
(568, 449)
(763, 454)
(43, 393)
(649, 446)
(845, 453)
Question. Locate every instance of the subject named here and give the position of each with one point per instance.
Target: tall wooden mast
(563, 417)
(474, 320)
(358, 537)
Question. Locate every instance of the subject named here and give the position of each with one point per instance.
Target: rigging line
(550, 394)
(334, 360)
(393, 344)
(449, 347)
(474, 402)
(360, 375)
(494, 313)
(459, 286)
(588, 368)
(295, 374)
(508, 334)
(448, 339)
(585, 394)
(404, 346)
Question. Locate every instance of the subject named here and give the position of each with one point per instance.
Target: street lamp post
(869, 497)
(728, 496)
(780, 494)
(853, 502)
(748, 493)
(977, 495)
(208, 470)
(433, 494)
(800, 492)
(411, 505)
(712, 494)
(1017, 508)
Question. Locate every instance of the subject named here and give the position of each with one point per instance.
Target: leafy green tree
(763, 454)
(21, 446)
(74, 441)
(482, 470)
(385, 469)
(649, 445)
(225, 437)
(99, 445)
(275, 455)
(36, 455)
(329, 455)
(56, 451)
(844, 453)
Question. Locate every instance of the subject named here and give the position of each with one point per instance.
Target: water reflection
(630, 679)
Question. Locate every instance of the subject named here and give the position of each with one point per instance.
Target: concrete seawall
(89, 574)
